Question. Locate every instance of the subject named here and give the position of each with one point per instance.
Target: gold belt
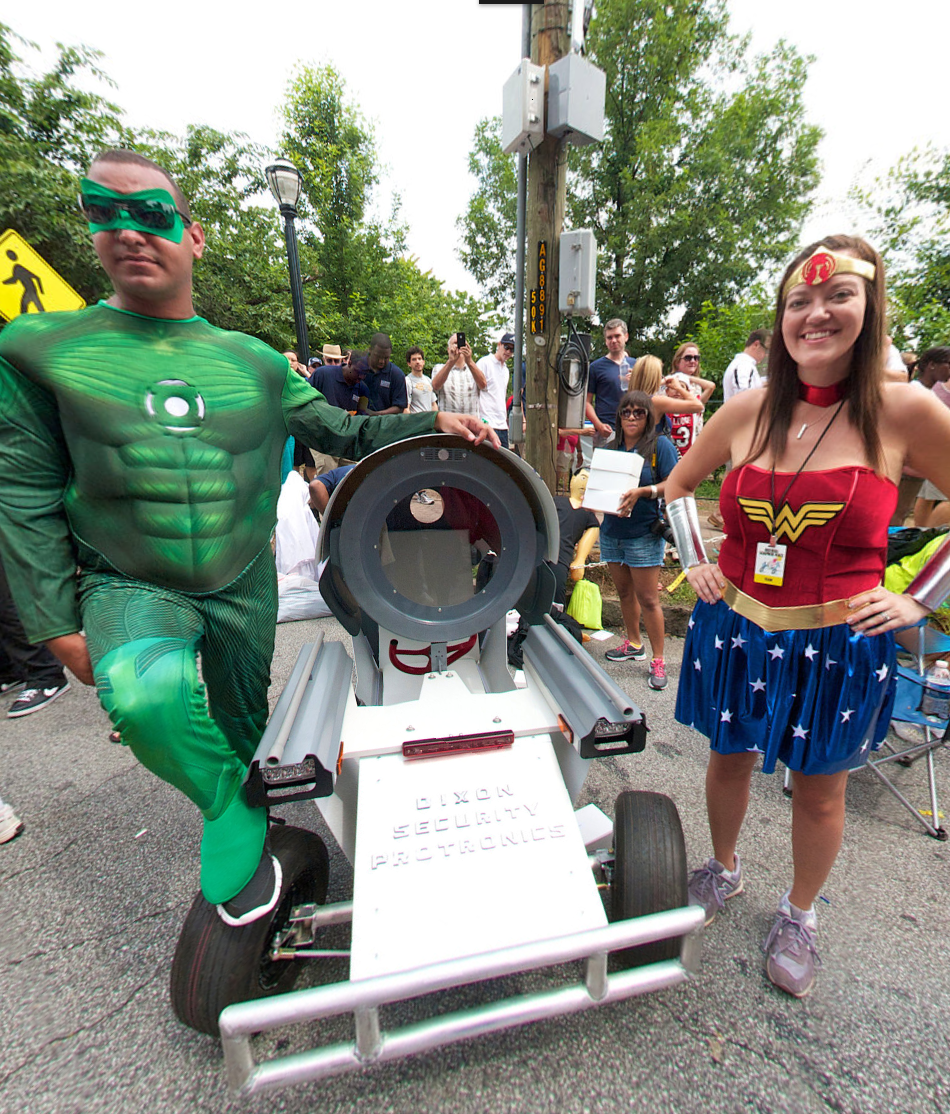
(807, 616)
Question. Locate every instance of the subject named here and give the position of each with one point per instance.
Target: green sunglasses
(151, 211)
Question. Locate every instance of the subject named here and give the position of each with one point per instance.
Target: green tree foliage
(358, 279)
(723, 330)
(50, 127)
(488, 225)
(910, 214)
(326, 136)
(702, 180)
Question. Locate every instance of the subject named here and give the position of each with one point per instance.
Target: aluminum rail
(276, 752)
(241, 1021)
(594, 670)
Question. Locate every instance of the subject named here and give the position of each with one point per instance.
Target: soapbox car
(448, 787)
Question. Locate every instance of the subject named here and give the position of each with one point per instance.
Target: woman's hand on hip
(879, 610)
(706, 581)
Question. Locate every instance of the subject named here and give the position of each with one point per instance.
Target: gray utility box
(577, 273)
(577, 92)
(522, 117)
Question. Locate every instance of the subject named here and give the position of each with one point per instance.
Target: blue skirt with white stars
(817, 700)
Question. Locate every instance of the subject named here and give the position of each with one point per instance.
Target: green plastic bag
(586, 605)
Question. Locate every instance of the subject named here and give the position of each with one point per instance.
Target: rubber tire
(649, 869)
(216, 965)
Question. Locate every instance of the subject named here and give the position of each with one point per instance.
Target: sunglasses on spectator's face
(633, 413)
(689, 359)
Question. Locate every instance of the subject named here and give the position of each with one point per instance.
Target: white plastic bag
(298, 597)
(297, 529)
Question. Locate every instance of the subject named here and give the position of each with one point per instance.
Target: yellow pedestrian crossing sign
(28, 284)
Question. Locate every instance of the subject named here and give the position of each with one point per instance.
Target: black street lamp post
(285, 181)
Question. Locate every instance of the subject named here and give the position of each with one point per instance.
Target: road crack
(4, 1079)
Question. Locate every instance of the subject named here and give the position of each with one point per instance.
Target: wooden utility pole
(547, 199)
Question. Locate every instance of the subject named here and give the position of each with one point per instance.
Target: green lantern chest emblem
(175, 405)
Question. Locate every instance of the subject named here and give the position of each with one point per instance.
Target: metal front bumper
(364, 997)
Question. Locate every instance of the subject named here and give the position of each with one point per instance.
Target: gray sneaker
(712, 885)
(790, 947)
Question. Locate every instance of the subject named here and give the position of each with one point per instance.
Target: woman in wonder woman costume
(790, 654)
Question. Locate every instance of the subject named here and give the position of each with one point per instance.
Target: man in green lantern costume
(143, 445)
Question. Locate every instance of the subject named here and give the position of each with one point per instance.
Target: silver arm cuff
(931, 585)
(688, 539)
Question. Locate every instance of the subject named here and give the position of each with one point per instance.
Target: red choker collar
(822, 396)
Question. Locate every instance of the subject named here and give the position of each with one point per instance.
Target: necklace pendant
(798, 436)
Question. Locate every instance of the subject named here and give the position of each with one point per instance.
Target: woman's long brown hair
(865, 376)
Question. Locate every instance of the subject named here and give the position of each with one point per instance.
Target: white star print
(829, 662)
(847, 714)
(726, 717)
(719, 643)
(776, 652)
(881, 673)
(799, 732)
(758, 685)
(810, 652)
(691, 623)
(754, 750)
(698, 665)
(738, 642)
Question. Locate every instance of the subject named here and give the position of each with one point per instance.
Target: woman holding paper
(633, 552)
(790, 653)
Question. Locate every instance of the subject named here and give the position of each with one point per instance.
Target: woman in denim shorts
(633, 552)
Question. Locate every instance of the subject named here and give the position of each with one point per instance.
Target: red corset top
(834, 523)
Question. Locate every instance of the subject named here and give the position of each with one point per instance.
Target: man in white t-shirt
(491, 397)
(743, 373)
(418, 385)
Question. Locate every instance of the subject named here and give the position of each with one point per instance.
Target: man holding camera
(459, 380)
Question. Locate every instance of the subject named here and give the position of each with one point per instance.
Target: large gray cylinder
(572, 393)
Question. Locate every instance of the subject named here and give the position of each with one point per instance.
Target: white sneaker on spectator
(10, 824)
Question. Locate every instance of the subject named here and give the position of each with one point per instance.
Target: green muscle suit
(147, 452)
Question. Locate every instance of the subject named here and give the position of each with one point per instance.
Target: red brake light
(458, 744)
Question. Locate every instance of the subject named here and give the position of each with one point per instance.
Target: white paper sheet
(611, 474)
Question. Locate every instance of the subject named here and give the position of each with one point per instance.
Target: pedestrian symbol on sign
(28, 284)
(24, 277)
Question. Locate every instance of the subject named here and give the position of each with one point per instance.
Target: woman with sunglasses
(669, 395)
(686, 424)
(790, 652)
(633, 552)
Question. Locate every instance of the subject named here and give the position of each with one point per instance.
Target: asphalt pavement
(93, 894)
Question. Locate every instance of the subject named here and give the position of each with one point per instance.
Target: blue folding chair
(936, 733)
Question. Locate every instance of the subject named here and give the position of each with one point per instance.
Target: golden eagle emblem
(788, 523)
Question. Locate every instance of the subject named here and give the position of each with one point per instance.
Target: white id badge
(770, 564)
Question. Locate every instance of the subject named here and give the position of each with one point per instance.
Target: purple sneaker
(790, 947)
(712, 885)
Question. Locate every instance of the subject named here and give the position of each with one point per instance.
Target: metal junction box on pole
(577, 92)
(522, 118)
(577, 270)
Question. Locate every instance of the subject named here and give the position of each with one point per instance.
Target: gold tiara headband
(821, 266)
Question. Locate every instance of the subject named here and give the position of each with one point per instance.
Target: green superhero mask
(153, 212)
